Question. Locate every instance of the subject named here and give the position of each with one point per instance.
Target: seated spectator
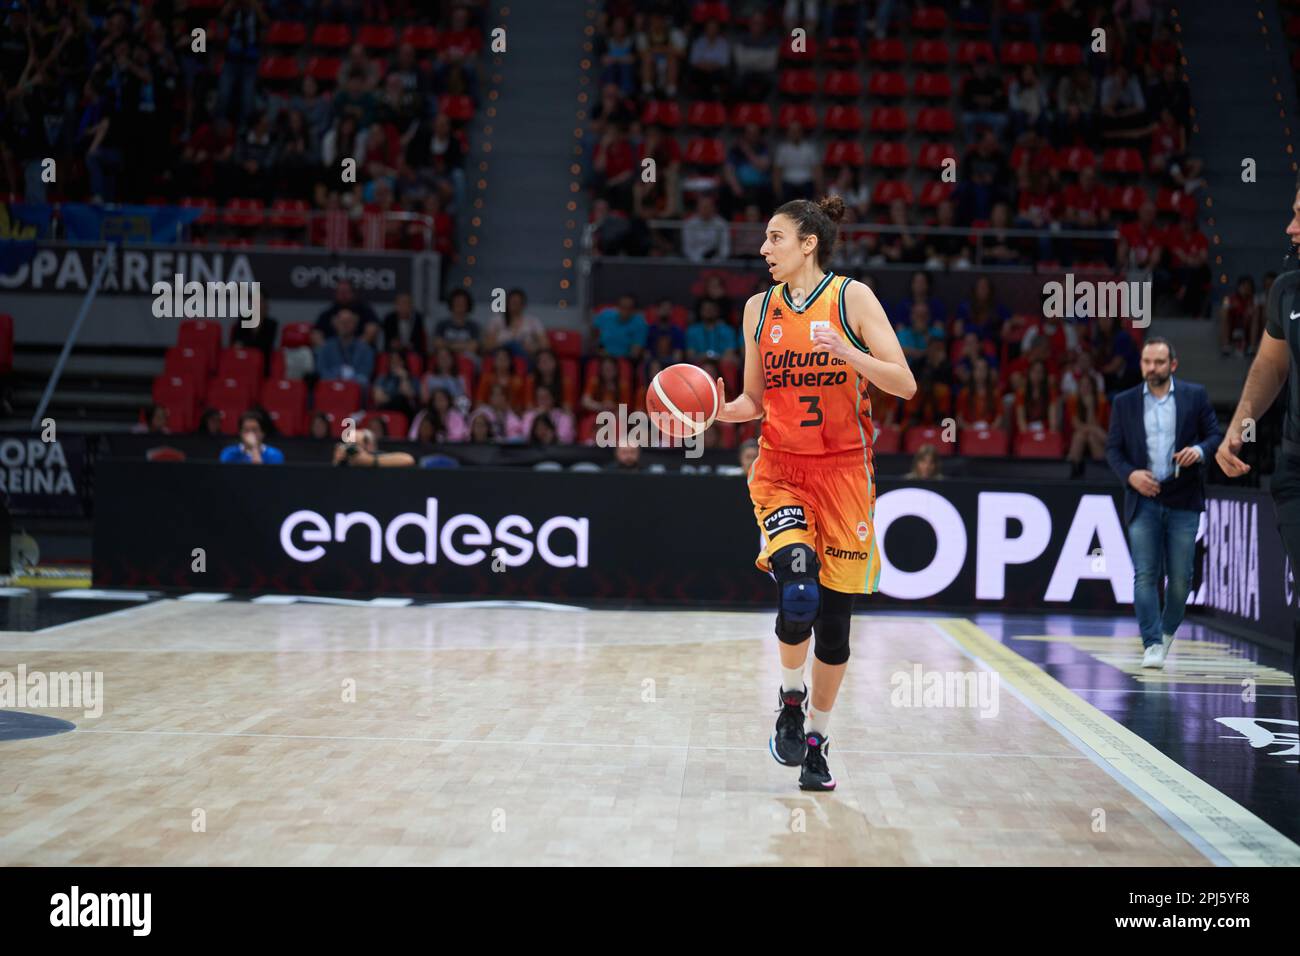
(439, 420)
(1084, 203)
(359, 65)
(1076, 109)
(1188, 263)
(709, 337)
(796, 166)
(209, 423)
(345, 297)
(320, 427)
(251, 449)
(620, 332)
(915, 337)
(1062, 337)
(346, 357)
(971, 351)
(985, 179)
(394, 390)
(541, 433)
(522, 334)
(1141, 242)
(1168, 144)
(365, 453)
(747, 454)
(507, 424)
(947, 251)
(482, 430)
(614, 167)
(925, 465)
(441, 374)
(748, 173)
(546, 372)
(1028, 102)
(705, 234)
(666, 341)
(1088, 415)
(618, 60)
(1240, 320)
(663, 191)
(405, 325)
(1036, 406)
(981, 314)
(662, 47)
(605, 390)
(983, 101)
(1115, 355)
(544, 405)
(921, 290)
(627, 458)
(855, 193)
(997, 246)
(709, 60)
(980, 402)
(1123, 106)
(1078, 370)
(458, 331)
(902, 245)
(755, 55)
(1039, 204)
(1016, 372)
(261, 336)
(502, 372)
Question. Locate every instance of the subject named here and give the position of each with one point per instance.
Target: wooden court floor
(242, 733)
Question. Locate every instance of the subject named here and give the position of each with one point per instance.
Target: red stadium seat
(843, 153)
(202, 336)
(225, 391)
(841, 50)
(570, 373)
(1174, 201)
(180, 396)
(288, 213)
(705, 11)
(415, 364)
(842, 83)
(889, 50)
(396, 424)
(797, 83)
(278, 69)
(423, 38)
(164, 453)
(661, 113)
(187, 363)
(888, 119)
(706, 114)
(247, 365)
(1123, 161)
(932, 86)
(742, 114)
(801, 113)
(331, 36)
(229, 408)
(341, 399)
(705, 151)
(323, 69)
(934, 192)
(1018, 53)
(244, 212)
(932, 155)
(375, 37)
(884, 84)
(984, 442)
(284, 393)
(1076, 158)
(1040, 444)
(459, 109)
(565, 343)
(887, 155)
(968, 51)
(204, 203)
(286, 33)
(919, 435)
(1126, 199)
(930, 20)
(295, 334)
(1063, 55)
(888, 440)
(935, 119)
(843, 119)
(930, 53)
(807, 52)
(887, 190)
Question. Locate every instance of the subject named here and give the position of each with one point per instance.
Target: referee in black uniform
(1277, 360)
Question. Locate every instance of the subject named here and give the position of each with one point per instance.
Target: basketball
(682, 400)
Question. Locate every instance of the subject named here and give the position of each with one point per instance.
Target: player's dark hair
(820, 219)
(1161, 340)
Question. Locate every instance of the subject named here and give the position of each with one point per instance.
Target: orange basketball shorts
(827, 502)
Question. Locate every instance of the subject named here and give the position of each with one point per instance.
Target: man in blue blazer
(1162, 434)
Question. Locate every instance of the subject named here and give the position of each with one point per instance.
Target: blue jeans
(1162, 541)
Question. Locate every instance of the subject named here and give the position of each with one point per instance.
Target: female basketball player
(813, 342)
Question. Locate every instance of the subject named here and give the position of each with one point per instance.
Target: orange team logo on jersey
(813, 404)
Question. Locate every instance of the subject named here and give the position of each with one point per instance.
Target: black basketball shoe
(815, 775)
(788, 741)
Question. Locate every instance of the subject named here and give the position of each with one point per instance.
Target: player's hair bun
(832, 207)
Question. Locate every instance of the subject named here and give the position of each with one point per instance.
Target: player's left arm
(884, 364)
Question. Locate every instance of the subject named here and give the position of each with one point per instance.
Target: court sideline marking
(1214, 823)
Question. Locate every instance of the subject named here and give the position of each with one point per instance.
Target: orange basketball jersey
(813, 404)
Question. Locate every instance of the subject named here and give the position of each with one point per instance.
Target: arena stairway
(521, 240)
(102, 389)
(1238, 118)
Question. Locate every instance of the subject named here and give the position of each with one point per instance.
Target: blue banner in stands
(86, 223)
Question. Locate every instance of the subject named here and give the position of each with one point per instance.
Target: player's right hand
(1226, 456)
